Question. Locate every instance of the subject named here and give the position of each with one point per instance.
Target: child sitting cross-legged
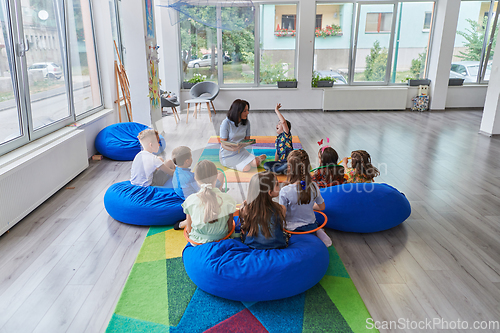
(302, 196)
(329, 172)
(361, 170)
(146, 163)
(263, 219)
(183, 179)
(209, 212)
(283, 144)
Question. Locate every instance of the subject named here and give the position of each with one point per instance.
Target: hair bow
(209, 186)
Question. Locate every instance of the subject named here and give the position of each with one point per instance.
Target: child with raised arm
(263, 219)
(361, 170)
(283, 144)
(146, 163)
(302, 196)
(209, 213)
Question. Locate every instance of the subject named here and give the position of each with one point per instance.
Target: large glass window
(86, 88)
(238, 47)
(475, 41)
(372, 49)
(332, 41)
(411, 45)
(11, 120)
(277, 42)
(36, 95)
(233, 27)
(46, 75)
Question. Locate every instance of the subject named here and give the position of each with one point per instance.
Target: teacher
(235, 128)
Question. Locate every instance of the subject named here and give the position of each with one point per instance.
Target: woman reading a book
(234, 130)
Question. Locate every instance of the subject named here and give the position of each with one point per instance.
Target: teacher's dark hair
(235, 111)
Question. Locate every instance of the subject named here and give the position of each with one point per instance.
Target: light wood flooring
(63, 267)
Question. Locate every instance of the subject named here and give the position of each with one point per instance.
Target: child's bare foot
(261, 158)
(180, 225)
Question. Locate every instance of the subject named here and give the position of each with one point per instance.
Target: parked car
(49, 70)
(204, 61)
(339, 78)
(468, 70)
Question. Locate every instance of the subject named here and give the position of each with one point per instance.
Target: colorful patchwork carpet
(160, 297)
(263, 145)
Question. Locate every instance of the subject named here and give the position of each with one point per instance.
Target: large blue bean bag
(139, 205)
(232, 270)
(364, 207)
(119, 141)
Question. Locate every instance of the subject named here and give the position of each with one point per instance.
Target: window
(378, 22)
(331, 52)
(288, 22)
(277, 48)
(410, 50)
(475, 41)
(244, 63)
(427, 21)
(319, 19)
(84, 72)
(42, 73)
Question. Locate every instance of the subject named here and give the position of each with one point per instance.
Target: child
(262, 218)
(209, 213)
(146, 163)
(329, 173)
(183, 180)
(283, 144)
(362, 170)
(301, 197)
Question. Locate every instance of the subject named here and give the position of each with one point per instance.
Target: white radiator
(32, 179)
(340, 98)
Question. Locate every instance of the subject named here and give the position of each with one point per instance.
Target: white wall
(131, 13)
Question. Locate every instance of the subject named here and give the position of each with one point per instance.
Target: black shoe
(176, 226)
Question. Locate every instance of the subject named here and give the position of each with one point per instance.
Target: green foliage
(197, 78)
(316, 78)
(288, 79)
(376, 63)
(271, 72)
(417, 65)
(474, 36)
(333, 30)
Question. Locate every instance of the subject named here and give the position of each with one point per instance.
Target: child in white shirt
(146, 163)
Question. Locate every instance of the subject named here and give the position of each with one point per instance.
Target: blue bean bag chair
(139, 205)
(119, 141)
(232, 270)
(364, 207)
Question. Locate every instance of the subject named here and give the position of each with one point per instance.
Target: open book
(242, 143)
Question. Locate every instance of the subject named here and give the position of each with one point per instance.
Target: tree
(417, 65)
(474, 36)
(376, 63)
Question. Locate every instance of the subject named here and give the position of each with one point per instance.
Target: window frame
(220, 69)
(379, 24)
(16, 41)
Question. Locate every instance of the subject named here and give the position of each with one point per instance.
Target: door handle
(21, 49)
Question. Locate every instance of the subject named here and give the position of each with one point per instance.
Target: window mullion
(220, 65)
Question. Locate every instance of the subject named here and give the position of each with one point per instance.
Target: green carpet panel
(160, 297)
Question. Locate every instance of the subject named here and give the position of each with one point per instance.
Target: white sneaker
(324, 237)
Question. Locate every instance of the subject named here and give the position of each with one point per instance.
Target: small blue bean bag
(232, 270)
(139, 205)
(119, 141)
(364, 207)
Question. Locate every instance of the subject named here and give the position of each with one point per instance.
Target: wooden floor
(63, 267)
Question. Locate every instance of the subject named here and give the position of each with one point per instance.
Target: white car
(468, 71)
(48, 70)
(204, 61)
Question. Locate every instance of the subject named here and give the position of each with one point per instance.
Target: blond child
(146, 163)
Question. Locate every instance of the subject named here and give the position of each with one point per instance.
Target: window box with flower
(194, 80)
(284, 33)
(329, 31)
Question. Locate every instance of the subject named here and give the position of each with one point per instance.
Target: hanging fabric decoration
(235, 15)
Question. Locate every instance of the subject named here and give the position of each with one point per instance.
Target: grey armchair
(205, 91)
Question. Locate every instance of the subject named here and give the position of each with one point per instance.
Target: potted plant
(417, 82)
(322, 82)
(194, 80)
(287, 83)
